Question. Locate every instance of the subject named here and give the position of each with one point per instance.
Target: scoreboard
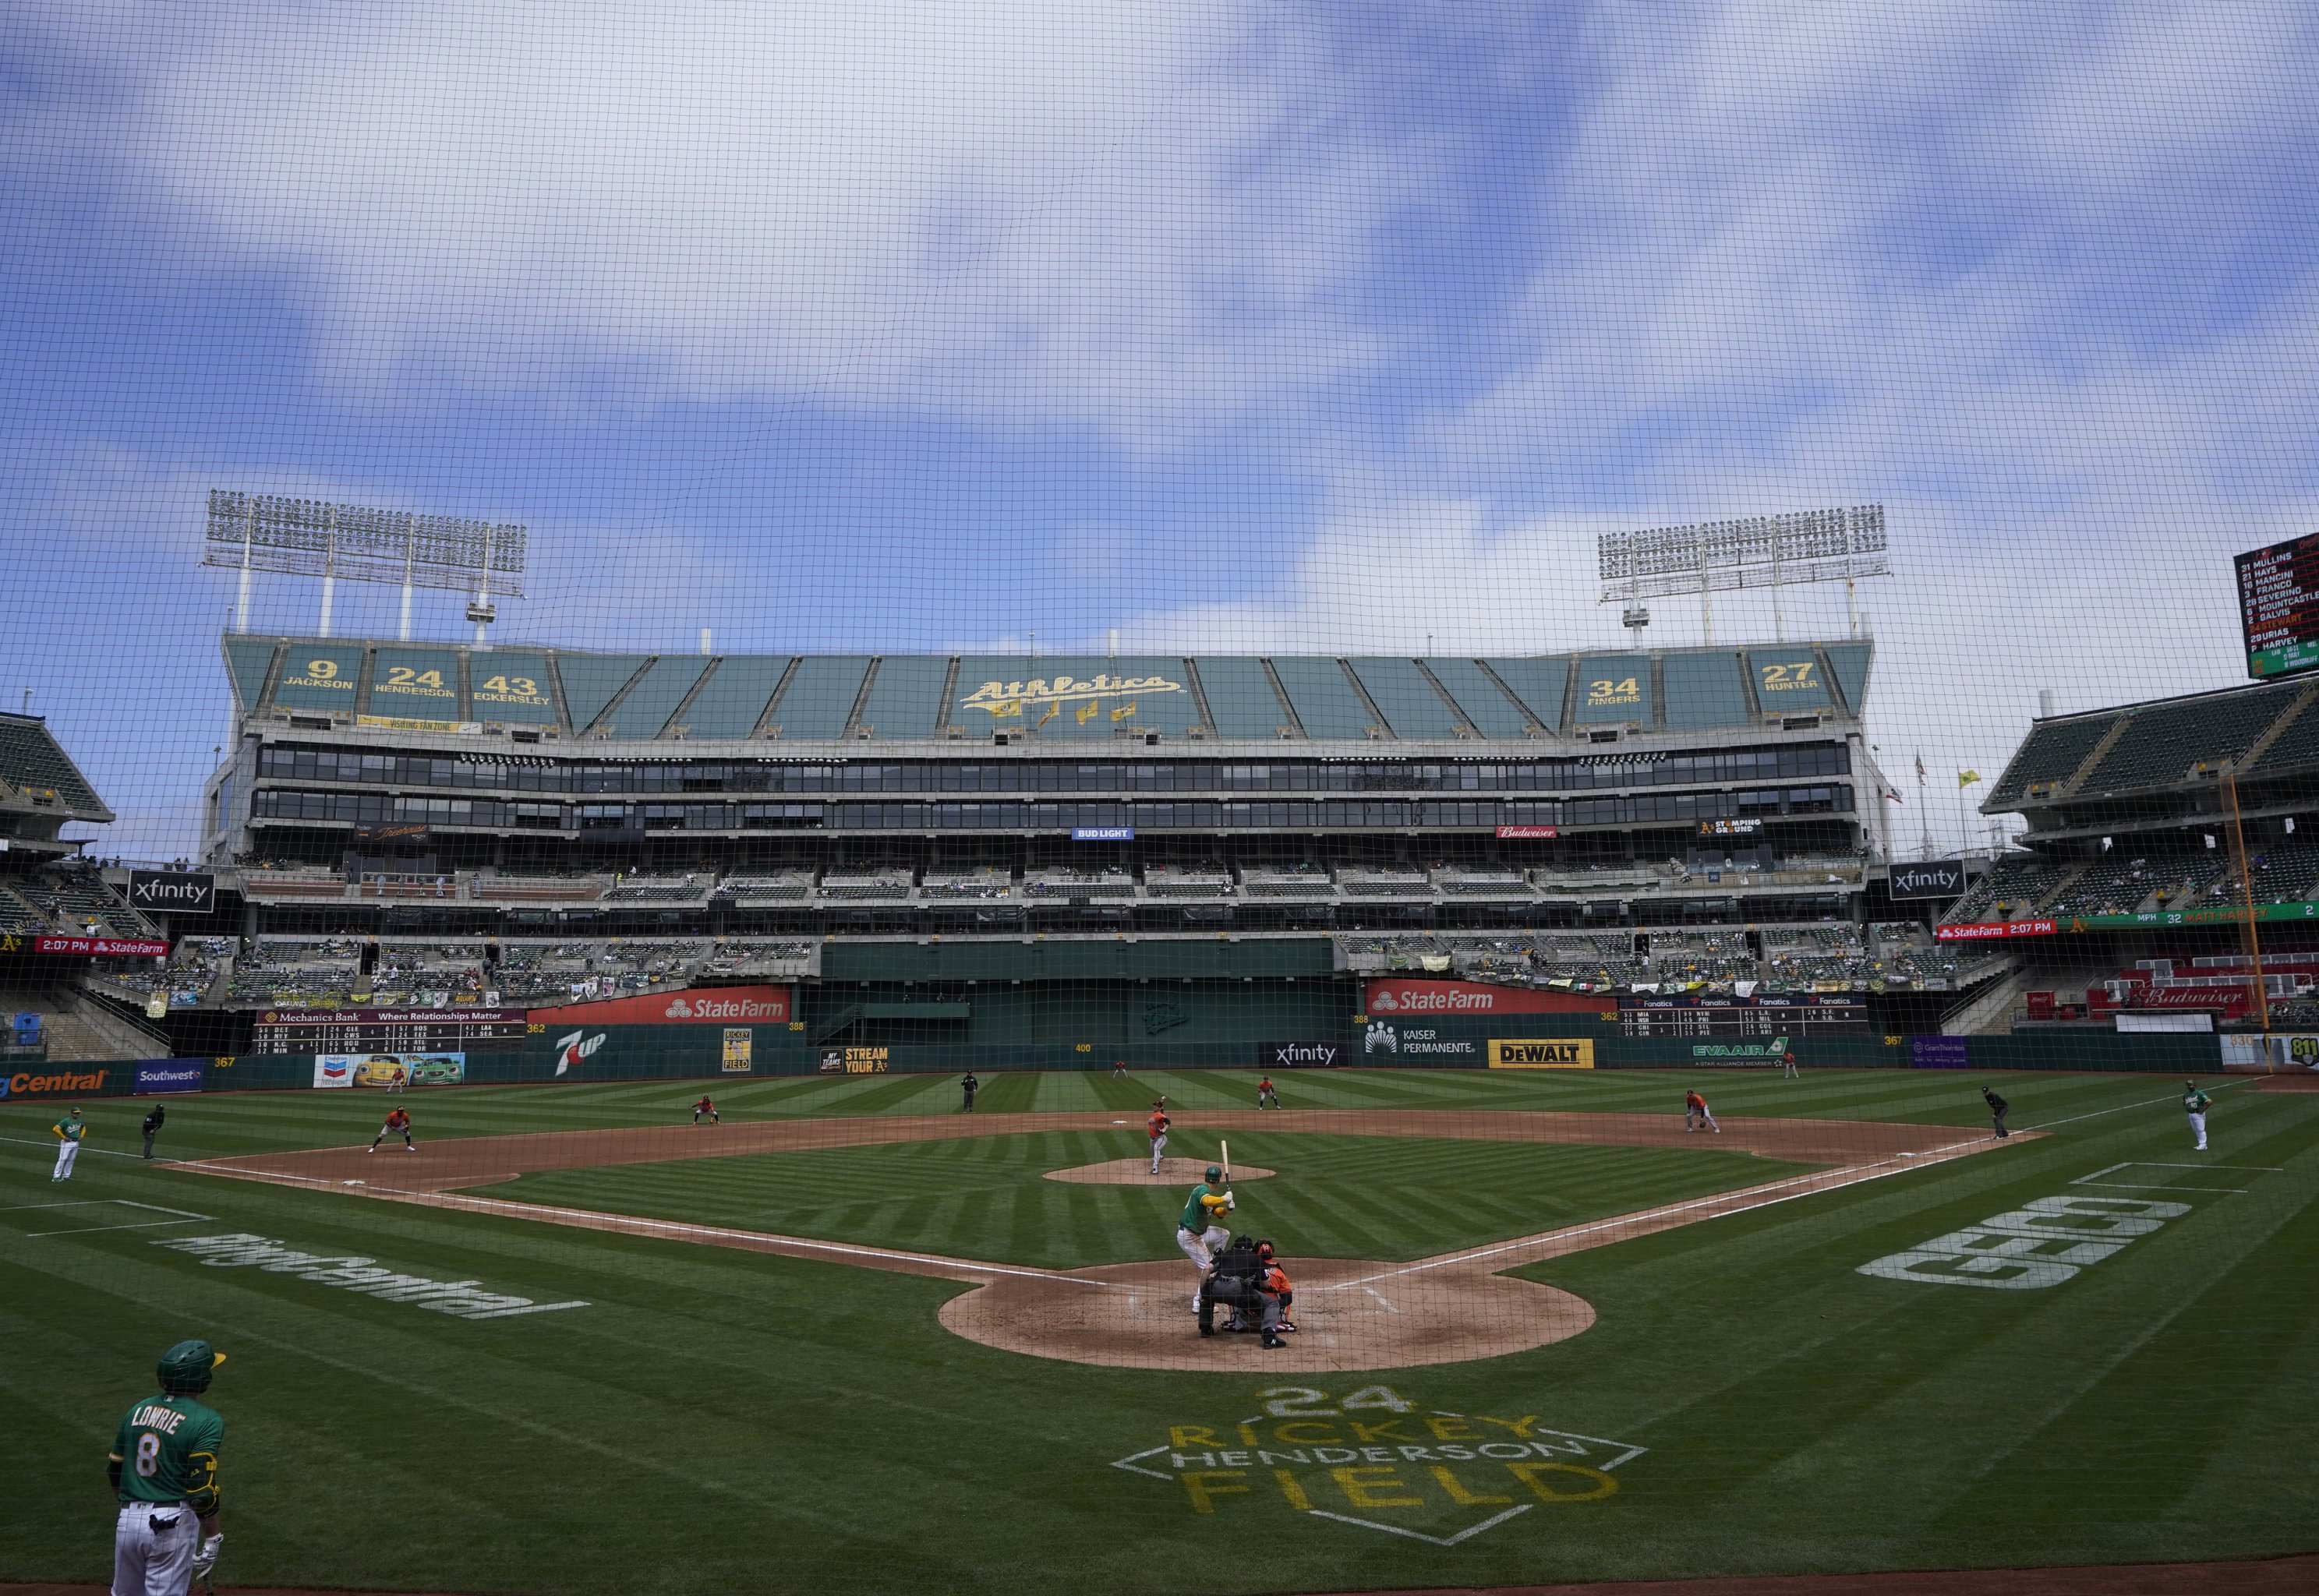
(2278, 607)
(1796, 1014)
(389, 1030)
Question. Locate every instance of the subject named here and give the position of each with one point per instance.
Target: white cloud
(1013, 208)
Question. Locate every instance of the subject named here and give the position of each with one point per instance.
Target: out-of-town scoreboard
(2278, 607)
(388, 1030)
(1797, 1013)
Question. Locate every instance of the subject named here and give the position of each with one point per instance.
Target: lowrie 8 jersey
(169, 1448)
(1202, 1209)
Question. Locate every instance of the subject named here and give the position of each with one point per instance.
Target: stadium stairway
(79, 1027)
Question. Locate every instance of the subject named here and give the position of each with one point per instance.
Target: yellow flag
(1967, 778)
(1052, 710)
(1085, 712)
(1123, 713)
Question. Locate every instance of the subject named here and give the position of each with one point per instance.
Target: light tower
(1773, 552)
(309, 538)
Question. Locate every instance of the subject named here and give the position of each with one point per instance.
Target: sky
(875, 326)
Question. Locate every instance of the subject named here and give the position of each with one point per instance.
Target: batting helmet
(186, 1367)
(1215, 1173)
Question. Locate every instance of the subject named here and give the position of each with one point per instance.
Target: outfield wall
(710, 1053)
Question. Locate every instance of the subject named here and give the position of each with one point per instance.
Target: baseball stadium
(598, 1013)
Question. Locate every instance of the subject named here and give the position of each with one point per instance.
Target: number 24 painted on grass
(1301, 1402)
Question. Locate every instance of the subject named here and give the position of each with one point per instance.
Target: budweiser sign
(1529, 834)
(1995, 928)
(692, 1006)
(1401, 997)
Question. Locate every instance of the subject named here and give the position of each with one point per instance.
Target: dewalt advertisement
(1543, 1053)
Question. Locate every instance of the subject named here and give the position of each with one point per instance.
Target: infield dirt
(1351, 1314)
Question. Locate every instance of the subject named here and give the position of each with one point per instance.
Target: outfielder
(1695, 1114)
(69, 1130)
(1156, 1127)
(707, 1107)
(398, 1123)
(164, 1467)
(1267, 1096)
(1200, 1231)
(2194, 1102)
(1788, 1070)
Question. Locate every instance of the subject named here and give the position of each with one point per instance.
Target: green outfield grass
(1388, 1197)
(716, 1420)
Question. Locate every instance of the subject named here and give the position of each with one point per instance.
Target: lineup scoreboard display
(1798, 1014)
(389, 1030)
(2278, 607)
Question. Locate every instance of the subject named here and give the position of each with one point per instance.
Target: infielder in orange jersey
(1267, 1095)
(1156, 1127)
(1695, 1114)
(398, 1123)
(707, 1107)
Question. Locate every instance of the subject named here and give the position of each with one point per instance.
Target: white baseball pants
(2199, 1129)
(66, 1151)
(153, 1548)
(1159, 1146)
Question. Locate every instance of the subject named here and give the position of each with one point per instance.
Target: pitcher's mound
(1138, 1172)
(1350, 1316)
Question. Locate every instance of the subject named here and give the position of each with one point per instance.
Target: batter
(1200, 1231)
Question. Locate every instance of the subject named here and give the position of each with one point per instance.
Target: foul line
(186, 1217)
(633, 1224)
(2221, 1086)
(85, 1147)
(1758, 1196)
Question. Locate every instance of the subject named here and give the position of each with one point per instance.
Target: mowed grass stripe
(1391, 1198)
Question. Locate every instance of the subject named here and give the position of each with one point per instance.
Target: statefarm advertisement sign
(103, 947)
(1990, 929)
(1398, 996)
(692, 1006)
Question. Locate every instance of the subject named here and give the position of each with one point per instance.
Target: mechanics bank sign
(1414, 997)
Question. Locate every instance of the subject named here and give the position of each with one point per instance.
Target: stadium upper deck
(1069, 702)
(357, 755)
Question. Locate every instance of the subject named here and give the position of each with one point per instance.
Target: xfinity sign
(1941, 878)
(171, 892)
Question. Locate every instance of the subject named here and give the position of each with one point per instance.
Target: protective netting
(1245, 797)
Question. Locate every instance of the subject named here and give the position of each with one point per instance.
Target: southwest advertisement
(692, 1006)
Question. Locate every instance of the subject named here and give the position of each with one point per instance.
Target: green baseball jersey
(71, 1129)
(167, 1447)
(2194, 1101)
(1202, 1208)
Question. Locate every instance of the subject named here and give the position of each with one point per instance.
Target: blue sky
(887, 326)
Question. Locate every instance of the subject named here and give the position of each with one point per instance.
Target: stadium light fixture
(1770, 552)
(309, 538)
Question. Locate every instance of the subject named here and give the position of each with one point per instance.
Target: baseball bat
(1225, 1147)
